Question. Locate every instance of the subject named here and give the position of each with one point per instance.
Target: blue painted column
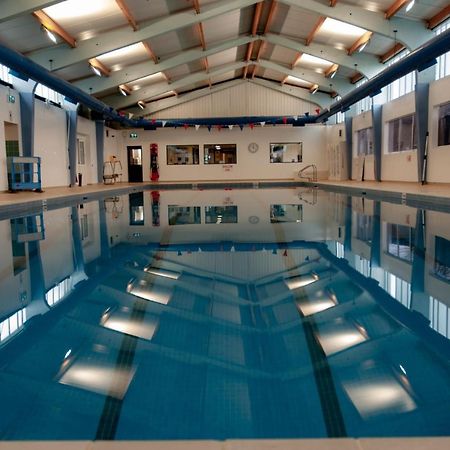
(78, 257)
(349, 144)
(348, 225)
(377, 124)
(26, 89)
(422, 97)
(104, 238)
(100, 140)
(72, 123)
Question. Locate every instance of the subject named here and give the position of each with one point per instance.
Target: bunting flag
(296, 118)
(186, 126)
(285, 253)
(209, 128)
(262, 123)
(219, 127)
(130, 115)
(164, 123)
(317, 110)
(230, 127)
(285, 120)
(197, 127)
(153, 121)
(241, 127)
(251, 125)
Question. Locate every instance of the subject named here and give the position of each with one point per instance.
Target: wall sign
(133, 135)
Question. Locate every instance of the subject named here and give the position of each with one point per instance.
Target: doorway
(134, 164)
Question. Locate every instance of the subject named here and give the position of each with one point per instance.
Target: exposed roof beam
(112, 40)
(393, 51)
(297, 59)
(161, 105)
(151, 91)
(14, 8)
(438, 18)
(410, 33)
(269, 20)
(55, 28)
(333, 3)
(318, 99)
(367, 64)
(314, 31)
(331, 70)
(363, 40)
(140, 70)
(355, 78)
(341, 86)
(150, 52)
(100, 66)
(255, 23)
(127, 13)
(395, 8)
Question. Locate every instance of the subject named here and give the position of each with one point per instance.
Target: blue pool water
(259, 313)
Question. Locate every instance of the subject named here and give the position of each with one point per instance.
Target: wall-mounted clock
(253, 147)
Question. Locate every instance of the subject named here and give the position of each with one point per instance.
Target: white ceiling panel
(118, 59)
(222, 58)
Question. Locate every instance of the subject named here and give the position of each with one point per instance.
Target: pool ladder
(309, 177)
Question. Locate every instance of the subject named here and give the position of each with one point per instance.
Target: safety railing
(309, 177)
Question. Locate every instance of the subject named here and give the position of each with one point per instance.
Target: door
(134, 164)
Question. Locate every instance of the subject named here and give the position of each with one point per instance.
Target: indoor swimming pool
(221, 314)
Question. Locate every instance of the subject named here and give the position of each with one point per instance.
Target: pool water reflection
(273, 313)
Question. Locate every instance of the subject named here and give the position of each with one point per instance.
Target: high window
(400, 241)
(403, 85)
(402, 134)
(442, 258)
(444, 125)
(443, 65)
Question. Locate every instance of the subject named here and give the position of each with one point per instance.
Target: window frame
(215, 149)
(174, 147)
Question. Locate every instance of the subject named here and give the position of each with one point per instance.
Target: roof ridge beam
(367, 64)
(119, 101)
(411, 36)
(143, 69)
(115, 39)
(14, 8)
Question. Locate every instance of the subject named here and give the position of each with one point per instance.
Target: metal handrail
(314, 172)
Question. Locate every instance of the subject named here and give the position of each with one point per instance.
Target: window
(340, 251)
(287, 152)
(400, 240)
(364, 228)
(58, 292)
(403, 85)
(442, 258)
(137, 216)
(366, 103)
(362, 265)
(443, 65)
(182, 154)
(12, 324)
(220, 154)
(184, 215)
(286, 213)
(81, 152)
(365, 141)
(49, 94)
(402, 134)
(4, 74)
(84, 227)
(444, 125)
(398, 288)
(439, 317)
(221, 214)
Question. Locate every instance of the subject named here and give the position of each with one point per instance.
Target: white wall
(250, 166)
(336, 152)
(438, 157)
(9, 112)
(86, 131)
(50, 143)
(360, 122)
(246, 99)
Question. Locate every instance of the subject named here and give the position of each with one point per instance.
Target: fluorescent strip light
(314, 90)
(123, 91)
(410, 5)
(362, 47)
(301, 281)
(141, 104)
(96, 70)
(50, 35)
(333, 74)
(163, 273)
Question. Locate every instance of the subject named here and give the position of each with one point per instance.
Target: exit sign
(133, 135)
(11, 99)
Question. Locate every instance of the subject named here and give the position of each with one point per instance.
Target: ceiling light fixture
(124, 90)
(49, 34)
(362, 47)
(96, 70)
(410, 5)
(141, 104)
(314, 89)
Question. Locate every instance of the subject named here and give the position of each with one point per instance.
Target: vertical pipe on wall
(100, 139)
(377, 124)
(72, 122)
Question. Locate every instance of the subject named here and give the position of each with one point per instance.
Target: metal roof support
(410, 35)
(140, 70)
(348, 218)
(15, 8)
(367, 64)
(72, 124)
(115, 39)
(119, 101)
(375, 246)
(341, 86)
